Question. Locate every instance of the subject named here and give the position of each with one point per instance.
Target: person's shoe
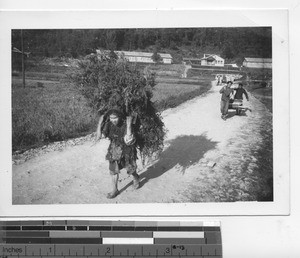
(136, 183)
(112, 194)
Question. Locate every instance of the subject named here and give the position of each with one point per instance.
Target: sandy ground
(205, 159)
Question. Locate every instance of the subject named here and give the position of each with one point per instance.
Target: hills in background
(233, 44)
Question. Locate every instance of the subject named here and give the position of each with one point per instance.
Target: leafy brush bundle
(108, 82)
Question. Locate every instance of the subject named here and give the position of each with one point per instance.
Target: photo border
(278, 19)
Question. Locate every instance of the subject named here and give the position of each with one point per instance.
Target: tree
(173, 45)
(107, 82)
(156, 57)
(111, 40)
(228, 52)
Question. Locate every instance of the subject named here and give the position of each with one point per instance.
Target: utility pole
(23, 59)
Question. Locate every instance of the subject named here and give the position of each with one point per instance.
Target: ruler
(99, 238)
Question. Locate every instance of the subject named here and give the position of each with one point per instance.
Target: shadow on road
(183, 151)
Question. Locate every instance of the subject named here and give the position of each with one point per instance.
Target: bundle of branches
(109, 82)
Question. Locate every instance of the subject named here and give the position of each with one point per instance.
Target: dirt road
(206, 159)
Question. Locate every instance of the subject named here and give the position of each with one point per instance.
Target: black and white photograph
(143, 115)
(192, 106)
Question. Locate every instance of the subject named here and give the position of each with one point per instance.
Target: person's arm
(246, 94)
(102, 128)
(129, 138)
(221, 90)
(98, 131)
(232, 93)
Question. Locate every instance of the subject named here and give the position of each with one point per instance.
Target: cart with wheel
(237, 105)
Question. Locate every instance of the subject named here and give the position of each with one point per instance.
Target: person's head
(115, 116)
(229, 83)
(114, 119)
(240, 85)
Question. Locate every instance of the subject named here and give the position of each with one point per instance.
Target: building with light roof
(251, 62)
(143, 57)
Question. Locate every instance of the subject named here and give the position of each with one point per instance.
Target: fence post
(23, 61)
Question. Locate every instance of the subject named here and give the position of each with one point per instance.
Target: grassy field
(165, 90)
(48, 110)
(171, 95)
(264, 94)
(45, 114)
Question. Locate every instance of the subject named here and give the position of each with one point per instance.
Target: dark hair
(240, 84)
(116, 112)
(229, 82)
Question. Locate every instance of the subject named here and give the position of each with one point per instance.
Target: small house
(212, 60)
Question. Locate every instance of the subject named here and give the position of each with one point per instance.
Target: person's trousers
(224, 107)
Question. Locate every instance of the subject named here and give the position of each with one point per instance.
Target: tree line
(230, 43)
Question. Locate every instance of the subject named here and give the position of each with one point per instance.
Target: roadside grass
(264, 94)
(46, 111)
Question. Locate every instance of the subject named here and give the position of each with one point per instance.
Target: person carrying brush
(122, 152)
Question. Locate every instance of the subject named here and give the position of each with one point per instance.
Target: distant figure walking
(219, 79)
(226, 92)
(186, 68)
